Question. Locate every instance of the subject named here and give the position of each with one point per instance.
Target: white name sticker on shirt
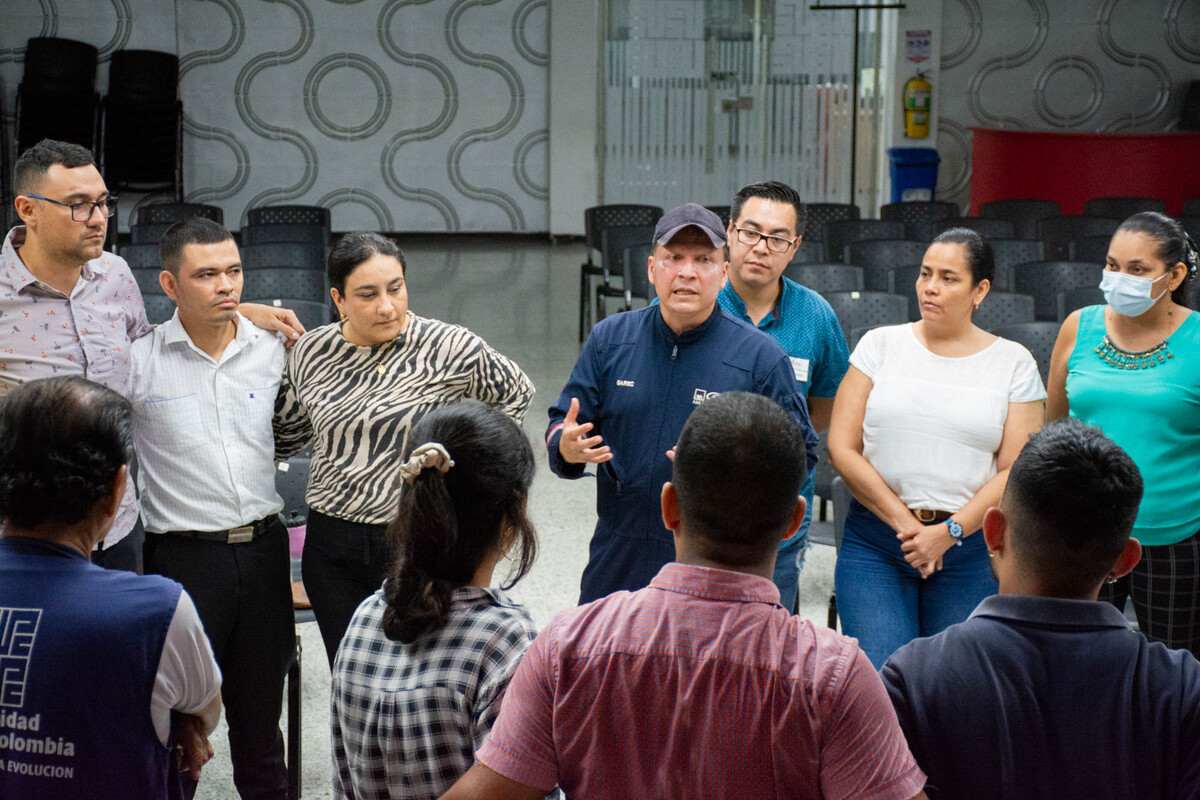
(800, 368)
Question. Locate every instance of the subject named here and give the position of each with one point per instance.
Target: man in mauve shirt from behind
(702, 684)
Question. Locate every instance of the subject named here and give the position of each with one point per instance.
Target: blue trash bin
(914, 173)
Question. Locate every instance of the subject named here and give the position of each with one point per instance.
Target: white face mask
(1129, 295)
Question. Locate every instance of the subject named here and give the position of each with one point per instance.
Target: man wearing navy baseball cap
(640, 375)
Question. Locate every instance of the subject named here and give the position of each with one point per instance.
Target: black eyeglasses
(775, 244)
(82, 211)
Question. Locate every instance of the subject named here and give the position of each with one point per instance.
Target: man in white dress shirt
(203, 393)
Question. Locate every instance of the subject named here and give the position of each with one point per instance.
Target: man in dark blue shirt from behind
(638, 378)
(1045, 692)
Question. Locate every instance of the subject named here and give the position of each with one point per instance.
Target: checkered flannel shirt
(407, 718)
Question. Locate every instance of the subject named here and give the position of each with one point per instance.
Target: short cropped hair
(1072, 497)
(739, 467)
(770, 190)
(355, 248)
(196, 230)
(62, 441)
(38, 159)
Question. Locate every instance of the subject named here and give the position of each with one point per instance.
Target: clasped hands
(924, 545)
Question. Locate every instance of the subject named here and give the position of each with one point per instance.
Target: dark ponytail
(447, 524)
(1174, 245)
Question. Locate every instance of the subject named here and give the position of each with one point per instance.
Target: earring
(1110, 580)
(991, 553)
(342, 316)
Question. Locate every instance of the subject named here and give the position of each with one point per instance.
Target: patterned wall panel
(1090, 65)
(399, 115)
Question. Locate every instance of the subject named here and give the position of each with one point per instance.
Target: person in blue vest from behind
(93, 662)
(640, 375)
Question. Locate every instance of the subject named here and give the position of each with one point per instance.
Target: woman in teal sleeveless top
(1132, 369)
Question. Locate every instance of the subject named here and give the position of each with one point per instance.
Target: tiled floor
(522, 297)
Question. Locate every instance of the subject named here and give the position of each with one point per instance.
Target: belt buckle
(926, 515)
(241, 535)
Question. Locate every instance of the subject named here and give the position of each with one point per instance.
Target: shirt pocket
(253, 413)
(173, 423)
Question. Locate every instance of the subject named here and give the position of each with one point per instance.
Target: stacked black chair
(1038, 337)
(902, 281)
(1024, 214)
(159, 213)
(148, 233)
(1057, 233)
(840, 233)
(818, 216)
(633, 269)
(1079, 297)
(1122, 207)
(56, 98)
(1043, 280)
(1191, 294)
(614, 240)
(159, 308)
(310, 313)
(1191, 207)
(857, 309)
(267, 284)
(286, 255)
(984, 226)
(1010, 252)
(147, 280)
(1003, 308)
(882, 254)
(1091, 248)
(289, 224)
(919, 218)
(595, 220)
(810, 253)
(142, 256)
(823, 278)
(143, 123)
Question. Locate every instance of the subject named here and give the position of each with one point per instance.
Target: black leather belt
(239, 535)
(931, 517)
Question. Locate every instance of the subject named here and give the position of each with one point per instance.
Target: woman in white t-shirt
(925, 426)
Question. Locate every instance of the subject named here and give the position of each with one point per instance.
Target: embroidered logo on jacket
(624, 383)
(700, 395)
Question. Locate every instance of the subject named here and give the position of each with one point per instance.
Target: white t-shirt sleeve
(1027, 383)
(188, 677)
(868, 355)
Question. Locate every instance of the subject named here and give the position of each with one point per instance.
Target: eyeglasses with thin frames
(82, 211)
(775, 244)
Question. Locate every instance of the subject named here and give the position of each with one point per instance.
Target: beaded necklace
(1122, 359)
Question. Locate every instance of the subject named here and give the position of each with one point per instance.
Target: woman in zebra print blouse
(356, 388)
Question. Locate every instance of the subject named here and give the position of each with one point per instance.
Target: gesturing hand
(574, 448)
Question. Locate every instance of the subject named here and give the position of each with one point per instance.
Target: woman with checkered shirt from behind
(419, 674)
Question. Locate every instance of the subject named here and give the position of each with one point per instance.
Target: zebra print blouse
(357, 405)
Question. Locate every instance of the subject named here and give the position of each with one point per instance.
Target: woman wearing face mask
(356, 387)
(925, 426)
(1132, 368)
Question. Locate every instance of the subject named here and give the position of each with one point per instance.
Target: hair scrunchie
(430, 455)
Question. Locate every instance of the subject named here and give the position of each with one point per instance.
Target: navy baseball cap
(690, 215)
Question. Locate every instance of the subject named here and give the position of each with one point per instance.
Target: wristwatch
(956, 531)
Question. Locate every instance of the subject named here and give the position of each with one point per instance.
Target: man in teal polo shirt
(765, 229)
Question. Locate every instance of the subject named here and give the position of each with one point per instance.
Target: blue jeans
(789, 562)
(884, 603)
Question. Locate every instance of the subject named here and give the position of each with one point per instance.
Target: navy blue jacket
(637, 382)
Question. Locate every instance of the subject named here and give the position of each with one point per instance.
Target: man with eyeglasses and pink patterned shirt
(67, 307)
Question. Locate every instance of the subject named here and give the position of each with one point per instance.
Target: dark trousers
(125, 554)
(343, 564)
(1165, 587)
(618, 562)
(244, 597)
